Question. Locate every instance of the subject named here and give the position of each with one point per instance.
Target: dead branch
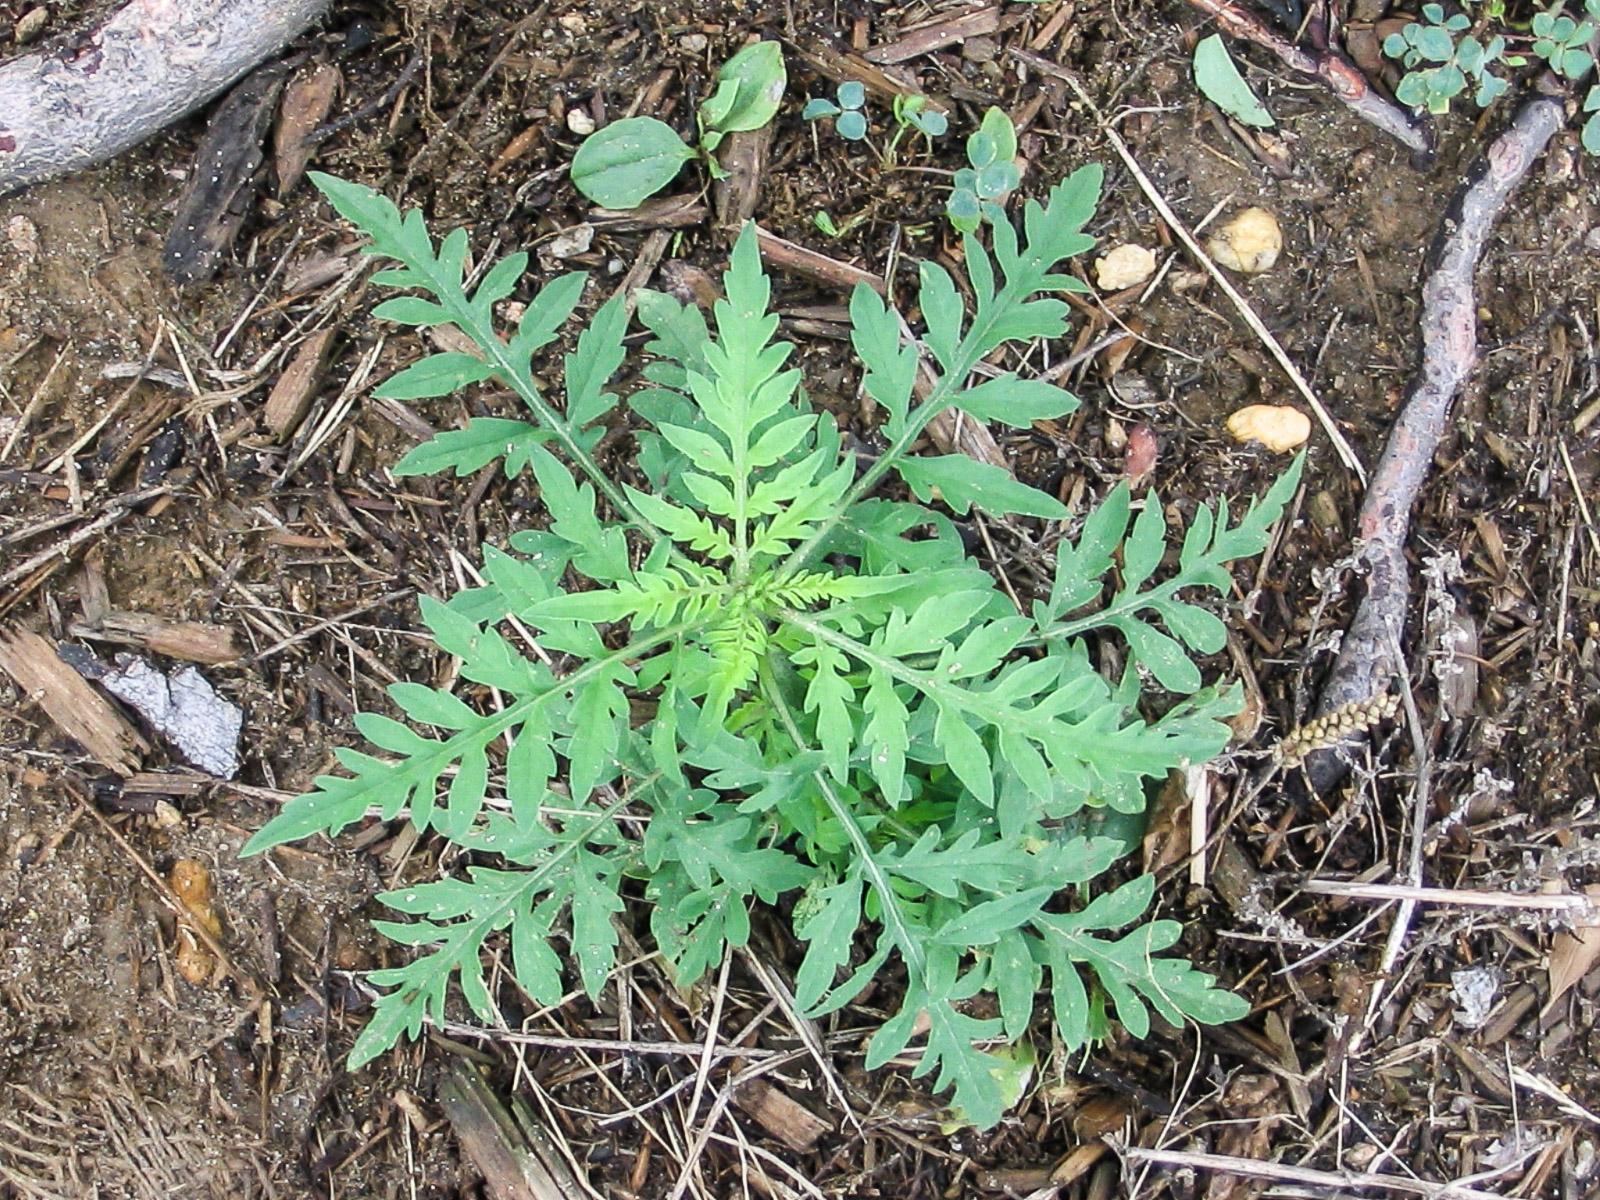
(1575, 906)
(1340, 1182)
(104, 90)
(1367, 659)
(1342, 77)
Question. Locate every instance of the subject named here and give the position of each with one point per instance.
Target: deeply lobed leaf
(784, 684)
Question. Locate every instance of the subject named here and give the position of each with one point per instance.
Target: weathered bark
(104, 90)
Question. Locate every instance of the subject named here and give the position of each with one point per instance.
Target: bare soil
(119, 1077)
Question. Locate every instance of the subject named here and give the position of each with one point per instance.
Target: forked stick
(1367, 661)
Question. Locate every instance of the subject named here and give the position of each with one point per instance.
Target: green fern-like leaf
(743, 679)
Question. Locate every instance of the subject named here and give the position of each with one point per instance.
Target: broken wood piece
(79, 711)
(93, 594)
(227, 170)
(86, 99)
(819, 268)
(180, 784)
(785, 1118)
(936, 35)
(511, 1166)
(290, 398)
(307, 100)
(191, 641)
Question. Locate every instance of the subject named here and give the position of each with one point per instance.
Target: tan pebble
(1276, 426)
(191, 881)
(30, 25)
(1124, 267)
(23, 235)
(1249, 243)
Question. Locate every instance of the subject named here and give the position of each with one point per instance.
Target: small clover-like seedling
(1440, 64)
(1563, 42)
(630, 160)
(912, 112)
(849, 117)
(980, 188)
(823, 220)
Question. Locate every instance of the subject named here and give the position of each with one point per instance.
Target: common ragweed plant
(749, 678)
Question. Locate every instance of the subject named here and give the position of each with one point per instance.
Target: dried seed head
(1327, 731)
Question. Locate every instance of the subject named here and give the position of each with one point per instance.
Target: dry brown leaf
(1166, 830)
(191, 641)
(1100, 1115)
(191, 883)
(1573, 954)
(1247, 1096)
(744, 155)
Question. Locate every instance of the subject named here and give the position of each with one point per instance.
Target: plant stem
(973, 346)
(480, 328)
(893, 922)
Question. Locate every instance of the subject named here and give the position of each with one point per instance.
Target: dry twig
(1340, 1182)
(149, 64)
(1575, 905)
